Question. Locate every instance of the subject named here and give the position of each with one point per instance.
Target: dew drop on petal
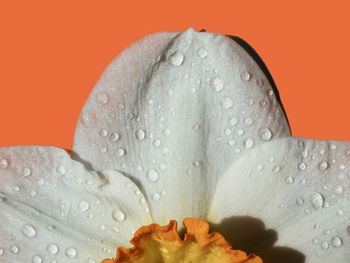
(114, 137)
(103, 98)
(316, 200)
(120, 152)
(103, 132)
(37, 259)
(248, 121)
(152, 175)
(299, 201)
(289, 180)
(324, 245)
(217, 84)
(233, 121)
(323, 166)
(260, 82)
(201, 53)
(52, 249)
(71, 252)
(140, 134)
(28, 231)
(4, 163)
(156, 143)
(226, 102)
(245, 76)
(176, 58)
(118, 215)
(336, 241)
(61, 170)
(26, 171)
(14, 249)
(248, 143)
(302, 166)
(265, 134)
(83, 206)
(338, 189)
(155, 197)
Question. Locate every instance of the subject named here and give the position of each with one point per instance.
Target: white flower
(179, 125)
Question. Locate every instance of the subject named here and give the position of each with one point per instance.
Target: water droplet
(299, 201)
(233, 121)
(14, 249)
(103, 132)
(260, 82)
(324, 245)
(245, 76)
(64, 207)
(177, 58)
(114, 137)
(1, 251)
(202, 53)
(156, 143)
(289, 180)
(217, 84)
(338, 189)
(4, 163)
(152, 175)
(140, 134)
(302, 166)
(61, 170)
(37, 259)
(336, 241)
(265, 134)
(26, 171)
(323, 166)
(84, 205)
(85, 118)
(28, 231)
(156, 197)
(226, 102)
(248, 121)
(348, 230)
(71, 252)
(276, 169)
(248, 143)
(103, 98)
(316, 200)
(166, 132)
(120, 152)
(118, 215)
(52, 249)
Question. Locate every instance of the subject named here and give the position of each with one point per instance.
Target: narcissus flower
(181, 126)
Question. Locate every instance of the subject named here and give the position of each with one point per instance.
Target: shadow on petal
(258, 60)
(250, 235)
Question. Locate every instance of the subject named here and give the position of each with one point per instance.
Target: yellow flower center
(155, 243)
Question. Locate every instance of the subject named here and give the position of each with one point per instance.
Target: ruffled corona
(155, 243)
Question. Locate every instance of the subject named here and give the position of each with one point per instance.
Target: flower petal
(298, 187)
(174, 111)
(53, 208)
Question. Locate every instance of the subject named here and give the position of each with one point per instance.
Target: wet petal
(298, 187)
(174, 111)
(53, 208)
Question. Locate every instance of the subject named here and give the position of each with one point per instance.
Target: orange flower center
(155, 243)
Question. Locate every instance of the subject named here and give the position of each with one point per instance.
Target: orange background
(52, 53)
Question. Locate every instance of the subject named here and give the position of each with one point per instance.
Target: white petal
(49, 202)
(298, 187)
(183, 107)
